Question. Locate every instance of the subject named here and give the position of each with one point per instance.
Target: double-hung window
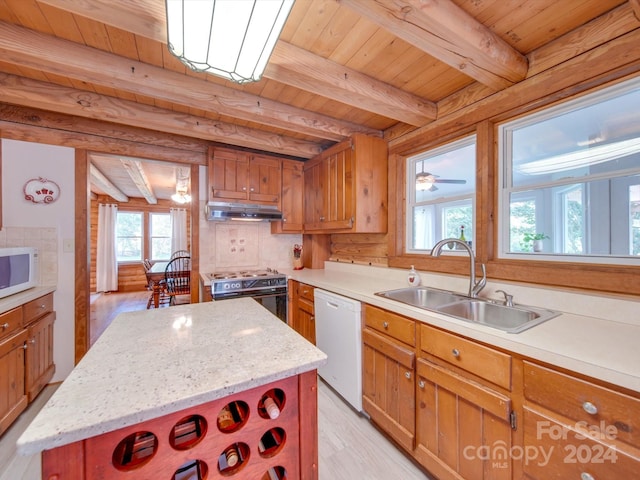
(441, 194)
(570, 178)
(129, 246)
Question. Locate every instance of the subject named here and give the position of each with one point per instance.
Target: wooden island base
(189, 445)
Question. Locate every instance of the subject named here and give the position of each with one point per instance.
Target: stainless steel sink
(484, 312)
(423, 297)
(510, 319)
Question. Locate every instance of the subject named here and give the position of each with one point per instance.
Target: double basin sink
(511, 319)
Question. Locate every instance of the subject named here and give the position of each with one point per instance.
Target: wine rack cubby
(235, 438)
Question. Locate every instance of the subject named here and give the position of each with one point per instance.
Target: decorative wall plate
(41, 190)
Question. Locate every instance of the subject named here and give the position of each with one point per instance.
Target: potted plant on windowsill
(536, 239)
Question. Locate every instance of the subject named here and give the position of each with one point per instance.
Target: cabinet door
(314, 184)
(265, 180)
(228, 175)
(340, 201)
(388, 386)
(39, 363)
(292, 199)
(13, 397)
(463, 428)
(306, 321)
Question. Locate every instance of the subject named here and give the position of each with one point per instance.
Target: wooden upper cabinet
(346, 188)
(239, 176)
(292, 198)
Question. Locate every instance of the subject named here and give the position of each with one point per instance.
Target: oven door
(275, 303)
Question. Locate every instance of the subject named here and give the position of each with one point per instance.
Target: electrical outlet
(67, 245)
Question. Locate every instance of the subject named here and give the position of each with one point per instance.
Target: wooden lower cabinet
(574, 428)
(26, 356)
(39, 361)
(388, 381)
(463, 427)
(469, 411)
(13, 397)
(302, 310)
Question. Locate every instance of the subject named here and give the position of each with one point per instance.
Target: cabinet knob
(586, 476)
(32, 341)
(421, 383)
(24, 346)
(252, 189)
(590, 408)
(244, 189)
(284, 220)
(43, 306)
(322, 219)
(5, 325)
(407, 375)
(455, 352)
(385, 325)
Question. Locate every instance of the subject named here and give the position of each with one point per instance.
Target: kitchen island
(185, 392)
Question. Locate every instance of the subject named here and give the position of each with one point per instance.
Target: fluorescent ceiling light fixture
(581, 158)
(229, 38)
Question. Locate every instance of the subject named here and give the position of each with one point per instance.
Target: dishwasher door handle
(335, 306)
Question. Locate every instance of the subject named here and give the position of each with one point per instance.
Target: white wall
(49, 227)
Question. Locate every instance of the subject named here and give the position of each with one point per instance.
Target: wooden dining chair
(177, 278)
(180, 253)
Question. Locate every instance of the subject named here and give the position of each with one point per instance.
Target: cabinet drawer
(396, 326)
(10, 321)
(555, 451)
(38, 307)
(485, 362)
(306, 291)
(583, 401)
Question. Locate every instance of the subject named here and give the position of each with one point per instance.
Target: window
(129, 236)
(571, 175)
(160, 236)
(441, 194)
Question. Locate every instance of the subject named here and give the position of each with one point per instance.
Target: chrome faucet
(474, 287)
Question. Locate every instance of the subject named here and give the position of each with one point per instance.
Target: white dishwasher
(339, 335)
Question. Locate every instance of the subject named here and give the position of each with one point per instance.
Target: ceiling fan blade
(438, 180)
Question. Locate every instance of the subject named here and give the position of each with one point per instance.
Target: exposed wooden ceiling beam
(288, 64)
(635, 5)
(105, 185)
(297, 67)
(24, 47)
(42, 95)
(136, 171)
(446, 32)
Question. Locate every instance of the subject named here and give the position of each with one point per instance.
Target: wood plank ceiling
(382, 67)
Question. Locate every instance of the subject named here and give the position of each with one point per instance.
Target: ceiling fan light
(424, 181)
(229, 38)
(181, 197)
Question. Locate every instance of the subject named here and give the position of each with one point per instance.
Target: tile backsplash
(45, 239)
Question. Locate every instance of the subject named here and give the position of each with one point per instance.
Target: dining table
(156, 274)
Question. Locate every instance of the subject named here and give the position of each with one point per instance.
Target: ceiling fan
(427, 181)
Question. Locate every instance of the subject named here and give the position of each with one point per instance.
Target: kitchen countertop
(595, 335)
(17, 299)
(154, 362)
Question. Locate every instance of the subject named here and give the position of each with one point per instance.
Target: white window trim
(505, 174)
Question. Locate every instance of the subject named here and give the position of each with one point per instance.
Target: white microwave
(17, 269)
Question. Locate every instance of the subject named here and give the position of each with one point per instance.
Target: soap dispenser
(413, 278)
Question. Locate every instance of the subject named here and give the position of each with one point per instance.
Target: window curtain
(107, 261)
(178, 229)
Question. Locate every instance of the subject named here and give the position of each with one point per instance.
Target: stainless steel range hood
(221, 211)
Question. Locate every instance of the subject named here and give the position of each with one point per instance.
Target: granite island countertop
(154, 362)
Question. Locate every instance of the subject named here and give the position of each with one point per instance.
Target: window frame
(142, 236)
(150, 236)
(505, 190)
(438, 204)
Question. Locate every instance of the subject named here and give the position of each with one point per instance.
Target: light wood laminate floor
(350, 447)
